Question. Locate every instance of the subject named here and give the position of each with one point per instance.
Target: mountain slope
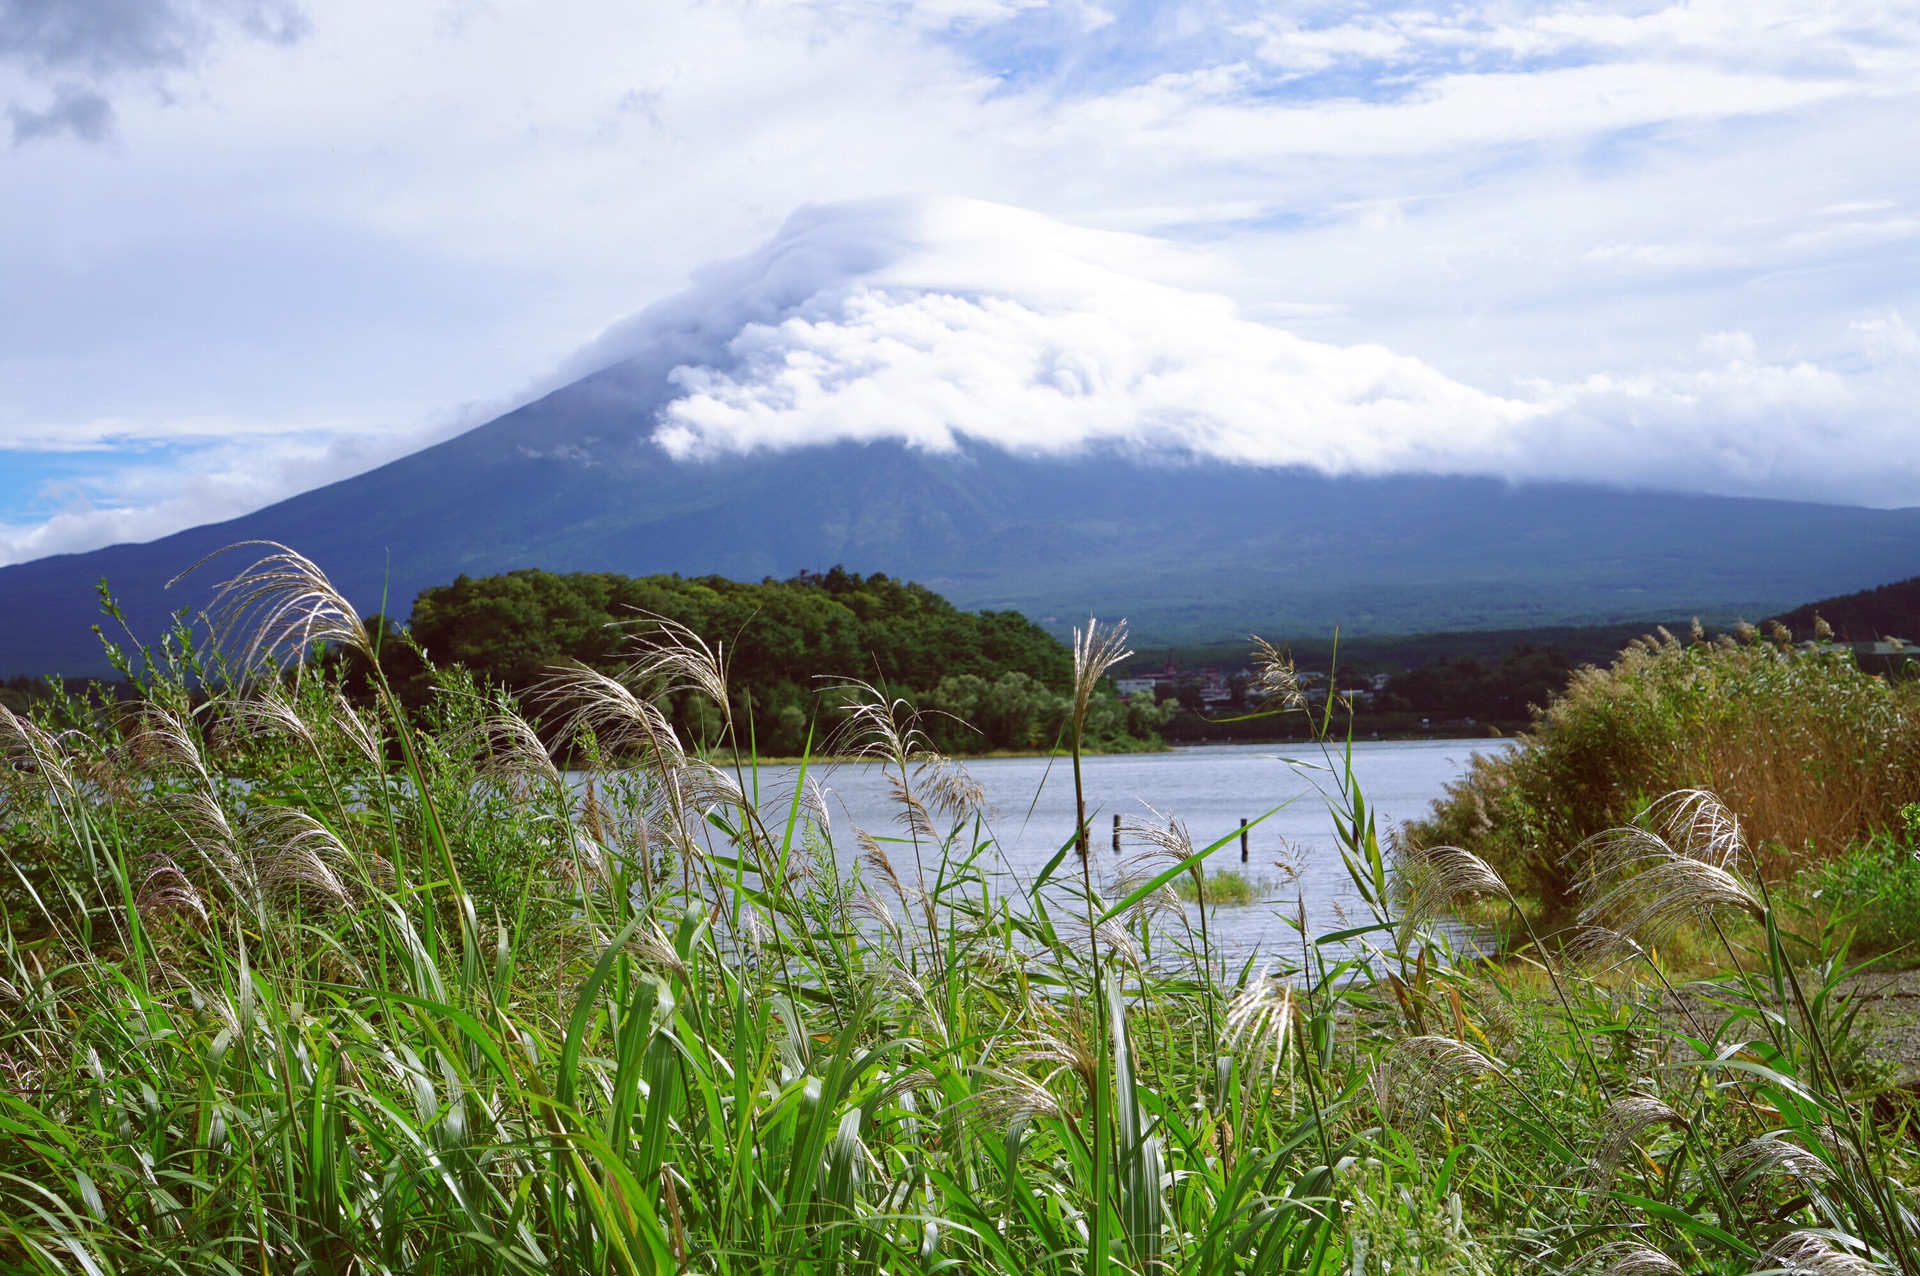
(1892, 610)
(1187, 551)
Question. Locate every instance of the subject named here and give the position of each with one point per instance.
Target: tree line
(984, 680)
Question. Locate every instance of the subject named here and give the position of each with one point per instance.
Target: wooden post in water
(1116, 835)
(1243, 841)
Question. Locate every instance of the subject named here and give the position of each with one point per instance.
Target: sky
(252, 246)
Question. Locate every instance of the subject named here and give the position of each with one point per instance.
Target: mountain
(1188, 550)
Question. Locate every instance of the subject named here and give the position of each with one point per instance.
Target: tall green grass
(292, 985)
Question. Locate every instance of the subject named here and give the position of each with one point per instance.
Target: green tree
(997, 680)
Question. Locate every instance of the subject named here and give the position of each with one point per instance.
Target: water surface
(1292, 854)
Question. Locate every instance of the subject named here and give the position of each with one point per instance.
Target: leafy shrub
(1815, 753)
(1874, 889)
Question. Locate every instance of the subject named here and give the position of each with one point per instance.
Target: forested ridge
(986, 680)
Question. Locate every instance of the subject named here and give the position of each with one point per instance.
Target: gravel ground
(1888, 1022)
(1892, 1015)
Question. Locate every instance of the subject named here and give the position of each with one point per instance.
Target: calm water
(1211, 788)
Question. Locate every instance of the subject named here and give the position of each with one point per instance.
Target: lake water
(1293, 853)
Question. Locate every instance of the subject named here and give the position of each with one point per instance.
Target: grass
(295, 985)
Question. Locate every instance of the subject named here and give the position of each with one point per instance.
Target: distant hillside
(1189, 552)
(1867, 616)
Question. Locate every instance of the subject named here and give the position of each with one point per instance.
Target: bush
(1227, 887)
(1816, 754)
(1874, 889)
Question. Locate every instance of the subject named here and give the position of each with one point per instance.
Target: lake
(1293, 853)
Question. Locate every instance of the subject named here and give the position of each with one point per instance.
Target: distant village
(1212, 689)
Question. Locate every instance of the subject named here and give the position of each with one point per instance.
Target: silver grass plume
(623, 722)
(653, 949)
(1811, 1253)
(502, 746)
(26, 748)
(706, 785)
(949, 788)
(296, 855)
(1011, 1100)
(899, 1087)
(1637, 883)
(910, 812)
(165, 891)
(584, 863)
(1167, 843)
(268, 710)
(876, 728)
(204, 822)
(1419, 1070)
(656, 809)
(675, 658)
(1771, 1154)
(1622, 1125)
(1431, 880)
(1700, 826)
(1276, 682)
(1839, 1148)
(1628, 1258)
(161, 741)
(871, 906)
(1599, 946)
(280, 607)
(361, 733)
(874, 858)
(1137, 873)
(1095, 650)
(752, 928)
(1115, 938)
(813, 805)
(905, 985)
(1059, 1046)
(1260, 1022)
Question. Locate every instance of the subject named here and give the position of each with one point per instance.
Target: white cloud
(969, 321)
(945, 323)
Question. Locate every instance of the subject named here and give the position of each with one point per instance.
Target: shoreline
(1181, 746)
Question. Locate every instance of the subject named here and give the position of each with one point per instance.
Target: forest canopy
(989, 679)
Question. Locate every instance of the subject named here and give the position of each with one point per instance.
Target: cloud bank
(111, 42)
(100, 37)
(942, 322)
